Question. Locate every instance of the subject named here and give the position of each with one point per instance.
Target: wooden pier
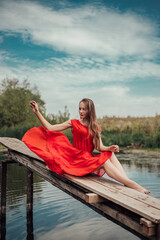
(134, 211)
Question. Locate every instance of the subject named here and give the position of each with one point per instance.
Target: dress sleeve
(73, 125)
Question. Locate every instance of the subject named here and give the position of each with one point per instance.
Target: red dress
(63, 157)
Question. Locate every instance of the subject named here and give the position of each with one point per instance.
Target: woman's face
(83, 111)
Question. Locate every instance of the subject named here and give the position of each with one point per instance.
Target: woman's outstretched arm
(45, 123)
(112, 148)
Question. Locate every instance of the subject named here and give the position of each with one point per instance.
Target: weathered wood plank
(19, 146)
(42, 171)
(76, 191)
(146, 222)
(149, 229)
(149, 232)
(119, 216)
(147, 199)
(116, 196)
(93, 198)
(141, 204)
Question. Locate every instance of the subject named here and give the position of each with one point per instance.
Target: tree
(14, 103)
(60, 117)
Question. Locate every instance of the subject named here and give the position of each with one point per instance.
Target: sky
(108, 51)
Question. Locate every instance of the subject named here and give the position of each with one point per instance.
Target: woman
(77, 159)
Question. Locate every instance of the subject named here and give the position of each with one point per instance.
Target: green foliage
(14, 103)
(131, 132)
(68, 133)
(60, 117)
(16, 117)
(17, 131)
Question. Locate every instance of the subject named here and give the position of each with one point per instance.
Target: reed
(125, 132)
(133, 132)
(15, 132)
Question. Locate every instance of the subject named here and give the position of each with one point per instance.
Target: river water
(57, 215)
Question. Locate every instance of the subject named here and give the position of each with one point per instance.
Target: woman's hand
(34, 106)
(45, 123)
(113, 148)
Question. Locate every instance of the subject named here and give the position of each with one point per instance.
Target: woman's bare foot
(146, 191)
(142, 190)
(138, 188)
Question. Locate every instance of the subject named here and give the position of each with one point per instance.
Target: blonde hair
(92, 120)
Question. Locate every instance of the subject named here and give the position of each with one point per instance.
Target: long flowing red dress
(63, 157)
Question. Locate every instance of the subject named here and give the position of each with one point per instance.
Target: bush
(15, 132)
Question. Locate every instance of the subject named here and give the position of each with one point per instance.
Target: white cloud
(66, 81)
(84, 30)
(97, 40)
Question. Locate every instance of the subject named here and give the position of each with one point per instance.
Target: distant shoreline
(142, 150)
(122, 150)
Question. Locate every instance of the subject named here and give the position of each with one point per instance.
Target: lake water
(57, 215)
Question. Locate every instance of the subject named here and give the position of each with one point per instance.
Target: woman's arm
(45, 123)
(113, 148)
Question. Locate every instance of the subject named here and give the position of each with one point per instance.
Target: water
(58, 216)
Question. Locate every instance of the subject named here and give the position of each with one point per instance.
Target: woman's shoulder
(74, 121)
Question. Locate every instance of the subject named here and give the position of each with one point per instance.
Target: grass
(132, 132)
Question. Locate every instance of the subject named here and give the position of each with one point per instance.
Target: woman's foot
(137, 187)
(145, 191)
(141, 189)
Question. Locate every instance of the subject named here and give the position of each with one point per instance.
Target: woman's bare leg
(117, 164)
(114, 173)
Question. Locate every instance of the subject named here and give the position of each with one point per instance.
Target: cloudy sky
(108, 51)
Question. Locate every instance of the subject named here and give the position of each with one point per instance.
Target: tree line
(16, 117)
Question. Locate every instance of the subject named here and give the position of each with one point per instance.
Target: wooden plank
(111, 194)
(122, 218)
(115, 193)
(149, 229)
(149, 232)
(76, 191)
(116, 196)
(48, 175)
(146, 222)
(147, 199)
(19, 146)
(93, 198)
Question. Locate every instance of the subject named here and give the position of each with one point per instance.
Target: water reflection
(56, 214)
(149, 161)
(30, 235)
(17, 183)
(29, 206)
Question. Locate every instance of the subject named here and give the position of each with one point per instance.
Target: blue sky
(108, 51)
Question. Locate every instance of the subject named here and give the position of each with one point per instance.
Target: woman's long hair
(92, 122)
